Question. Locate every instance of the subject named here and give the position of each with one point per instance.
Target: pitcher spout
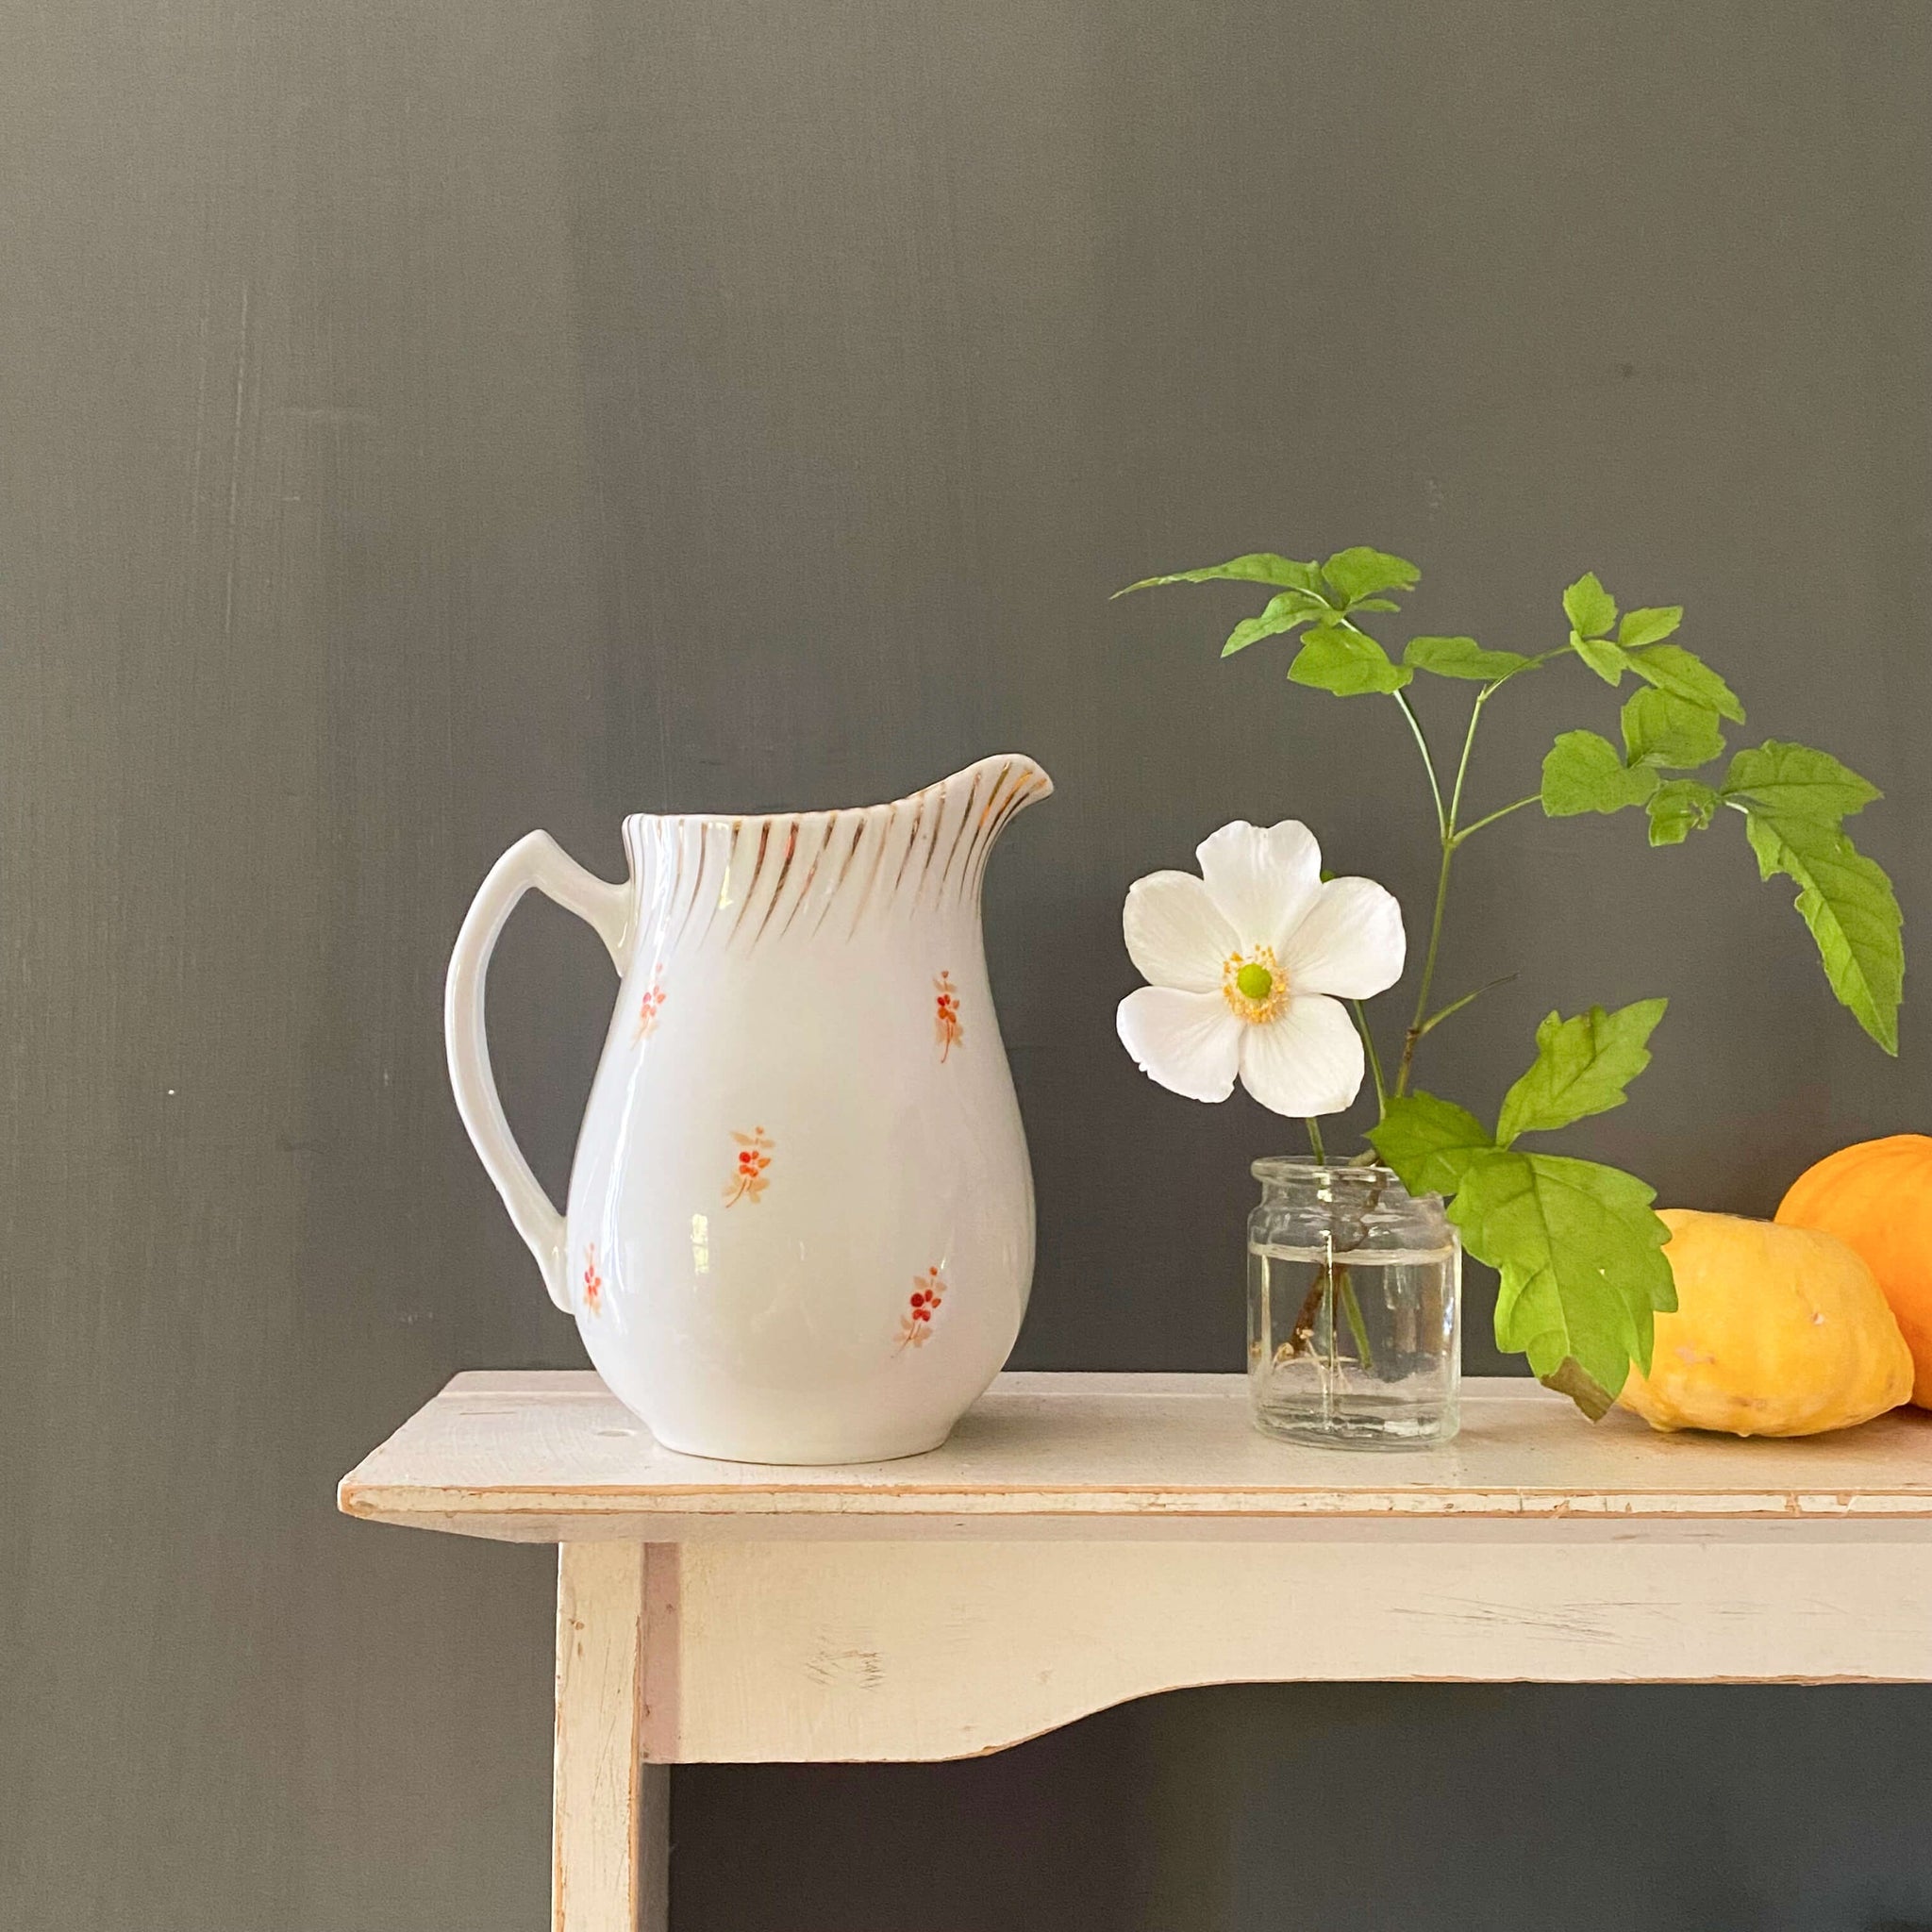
(981, 802)
(996, 787)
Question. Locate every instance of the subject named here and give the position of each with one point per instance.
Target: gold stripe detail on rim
(981, 834)
(911, 840)
(681, 832)
(751, 884)
(958, 835)
(725, 876)
(778, 884)
(1022, 793)
(879, 863)
(810, 874)
(844, 872)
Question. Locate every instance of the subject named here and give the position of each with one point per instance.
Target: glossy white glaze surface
(800, 1225)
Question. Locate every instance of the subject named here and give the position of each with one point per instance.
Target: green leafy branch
(1576, 1244)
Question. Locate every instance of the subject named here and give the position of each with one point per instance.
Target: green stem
(1374, 1059)
(1315, 1146)
(1475, 718)
(1470, 831)
(1413, 1038)
(1415, 725)
(1442, 1013)
(1540, 658)
(1352, 1309)
(1452, 835)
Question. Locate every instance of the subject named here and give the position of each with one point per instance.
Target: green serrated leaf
(1648, 626)
(1793, 781)
(1429, 1142)
(1590, 608)
(1610, 661)
(1282, 614)
(1582, 1067)
(1581, 1257)
(1679, 807)
(1257, 567)
(1373, 604)
(1672, 668)
(1360, 572)
(1847, 901)
(1347, 662)
(1583, 773)
(1663, 729)
(1462, 658)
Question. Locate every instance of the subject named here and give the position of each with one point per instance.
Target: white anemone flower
(1248, 966)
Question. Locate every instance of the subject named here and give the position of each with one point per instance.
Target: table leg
(610, 1833)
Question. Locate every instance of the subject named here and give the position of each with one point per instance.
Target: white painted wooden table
(1085, 1539)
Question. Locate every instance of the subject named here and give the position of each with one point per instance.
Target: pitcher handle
(538, 860)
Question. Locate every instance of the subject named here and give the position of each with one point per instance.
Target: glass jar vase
(1355, 1302)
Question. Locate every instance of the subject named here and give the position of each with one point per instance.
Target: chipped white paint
(1081, 1540)
(610, 1817)
(924, 1650)
(534, 1458)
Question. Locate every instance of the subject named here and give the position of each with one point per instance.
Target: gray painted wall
(424, 422)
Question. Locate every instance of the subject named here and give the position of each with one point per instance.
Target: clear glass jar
(1355, 1303)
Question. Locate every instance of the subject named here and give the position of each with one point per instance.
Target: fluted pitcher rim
(1018, 780)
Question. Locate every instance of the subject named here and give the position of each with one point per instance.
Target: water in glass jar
(1358, 1349)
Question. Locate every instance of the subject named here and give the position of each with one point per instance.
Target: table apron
(879, 1650)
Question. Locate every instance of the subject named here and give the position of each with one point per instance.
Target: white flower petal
(1351, 943)
(1306, 1060)
(1188, 1041)
(1176, 936)
(1264, 880)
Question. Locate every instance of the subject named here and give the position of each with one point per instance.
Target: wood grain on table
(543, 1456)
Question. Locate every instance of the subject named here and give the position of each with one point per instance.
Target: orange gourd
(1877, 1197)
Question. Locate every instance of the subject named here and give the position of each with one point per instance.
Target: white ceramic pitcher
(801, 1213)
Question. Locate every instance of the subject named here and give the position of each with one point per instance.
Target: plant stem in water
(1353, 1309)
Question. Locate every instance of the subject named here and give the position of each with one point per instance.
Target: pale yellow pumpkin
(1779, 1331)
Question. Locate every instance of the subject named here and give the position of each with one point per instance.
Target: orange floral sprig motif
(651, 1005)
(915, 1326)
(594, 1282)
(946, 1029)
(748, 1181)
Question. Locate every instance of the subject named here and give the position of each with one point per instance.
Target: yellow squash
(1779, 1331)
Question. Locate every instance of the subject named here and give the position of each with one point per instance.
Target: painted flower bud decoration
(1247, 967)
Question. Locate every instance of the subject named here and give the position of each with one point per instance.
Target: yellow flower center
(1253, 985)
